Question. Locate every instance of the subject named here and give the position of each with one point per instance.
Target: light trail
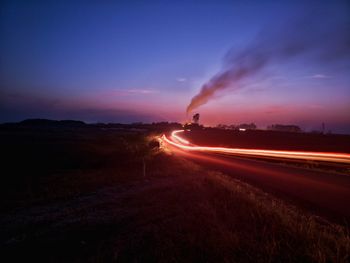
(177, 141)
(178, 138)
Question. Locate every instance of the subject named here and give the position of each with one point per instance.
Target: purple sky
(116, 61)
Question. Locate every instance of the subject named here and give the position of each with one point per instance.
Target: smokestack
(195, 118)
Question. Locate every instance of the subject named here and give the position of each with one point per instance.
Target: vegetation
(81, 195)
(261, 139)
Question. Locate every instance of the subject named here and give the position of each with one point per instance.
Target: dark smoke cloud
(327, 45)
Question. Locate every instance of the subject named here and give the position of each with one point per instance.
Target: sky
(131, 61)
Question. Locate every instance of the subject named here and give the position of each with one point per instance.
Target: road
(323, 193)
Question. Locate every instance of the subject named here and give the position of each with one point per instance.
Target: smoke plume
(325, 45)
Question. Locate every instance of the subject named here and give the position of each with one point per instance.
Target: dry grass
(179, 212)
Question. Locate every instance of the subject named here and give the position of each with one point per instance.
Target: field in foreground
(275, 140)
(103, 195)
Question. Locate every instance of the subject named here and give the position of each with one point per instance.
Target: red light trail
(179, 142)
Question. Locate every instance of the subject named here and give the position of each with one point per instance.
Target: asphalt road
(326, 194)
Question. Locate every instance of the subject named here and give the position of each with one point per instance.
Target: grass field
(261, 139)
(92, 195)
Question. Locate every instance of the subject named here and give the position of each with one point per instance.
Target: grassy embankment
(82, 195)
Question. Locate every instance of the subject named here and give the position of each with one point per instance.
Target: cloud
(274, 109)
(133, 91)
(181, 79)
(141, 91)
(316, 106)
(319, 76)
(15, 106)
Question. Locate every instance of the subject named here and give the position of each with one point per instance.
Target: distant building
(192, 126)
(222, 126)
(240, 127)
(246, 126)
(284, 128)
